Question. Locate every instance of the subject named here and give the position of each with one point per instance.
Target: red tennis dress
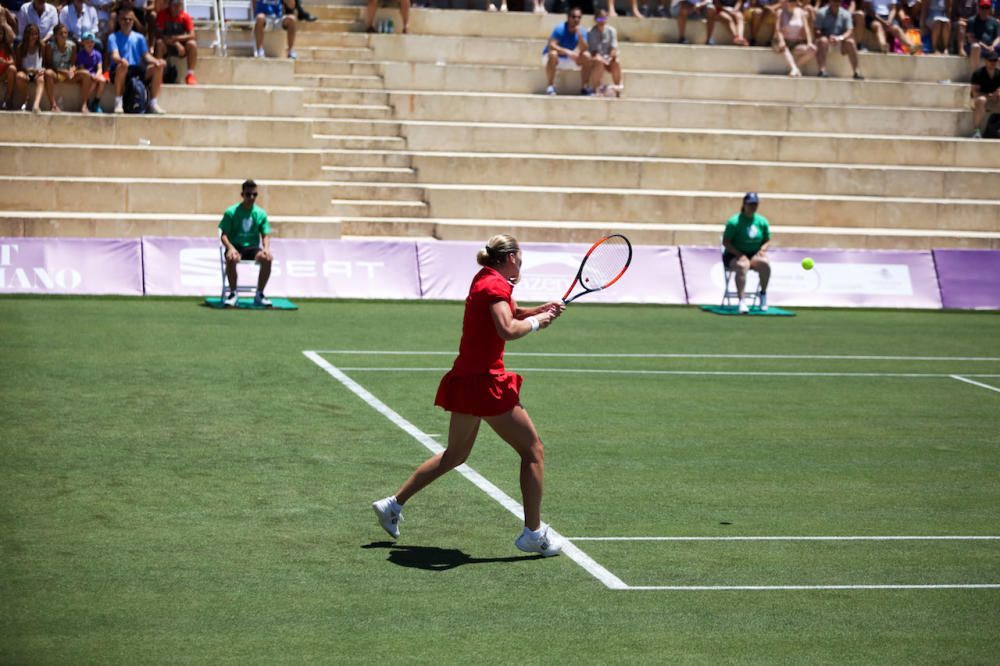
(478, 383)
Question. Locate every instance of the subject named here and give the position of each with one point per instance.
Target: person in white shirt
(79, 17)
(40, 13)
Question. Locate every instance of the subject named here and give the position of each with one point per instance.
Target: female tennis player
(478, 388)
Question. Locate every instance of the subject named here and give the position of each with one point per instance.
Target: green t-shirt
(747, 234)
(243, 227)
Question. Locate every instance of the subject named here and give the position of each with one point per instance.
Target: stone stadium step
(242, 71)
(159, 195)
(343, 46)
(346, 96)
(561, 170)
(227, 100)
(335, 12)
(381, 191)
(495, 107)
(591, 203)
(168, 130)
(658, 84)
(357, 126)
(515, 50)
(377, 208)
(368, 173)
(380, 159)
(698, 143)
(358, 111)
(64, 160)
(102, 224)
(331, 25)
(316, 74)
(359, 142)
(333, 67)
(655, 233)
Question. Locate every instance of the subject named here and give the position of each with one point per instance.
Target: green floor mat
(247, 304)
(754, 312)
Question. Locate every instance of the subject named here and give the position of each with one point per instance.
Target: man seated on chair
(745, 240)
(246, 235)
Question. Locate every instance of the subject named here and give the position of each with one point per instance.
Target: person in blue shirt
(128, 49)
(567, 49)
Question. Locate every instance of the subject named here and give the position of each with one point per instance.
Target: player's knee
(535, 453)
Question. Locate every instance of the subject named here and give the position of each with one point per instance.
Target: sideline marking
(969, 381)
(722, 356)
(571, 551)
(741, 373)
(792, 538)
(689, 588)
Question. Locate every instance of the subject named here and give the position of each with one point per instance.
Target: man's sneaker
(261, 301)
(119, 107)
(543, 544)
(191, 79)
(231, 300)
(155, 107)
(388, 517)
(259, 53)
(292, 55)
(978, 134)
(743, 309)
(587, 91)
(763, 303)
(551, 90)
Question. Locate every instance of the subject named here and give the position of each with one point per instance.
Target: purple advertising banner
(969, 278)
(70, 266)
(447, 269)
(840, 278)
(302, 268)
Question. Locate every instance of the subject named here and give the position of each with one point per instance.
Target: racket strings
(605, 263)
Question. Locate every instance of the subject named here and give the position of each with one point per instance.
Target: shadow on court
(431, 558)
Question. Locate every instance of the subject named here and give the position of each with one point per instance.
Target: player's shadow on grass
(431, 558)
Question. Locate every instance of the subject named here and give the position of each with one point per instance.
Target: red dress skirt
(487, 394)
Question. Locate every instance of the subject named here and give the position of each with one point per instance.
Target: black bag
(136, 98)
(170, 73)
(992, 127)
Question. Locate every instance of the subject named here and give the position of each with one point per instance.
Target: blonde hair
(496, 250)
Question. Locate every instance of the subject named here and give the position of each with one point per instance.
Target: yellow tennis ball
(808, 263)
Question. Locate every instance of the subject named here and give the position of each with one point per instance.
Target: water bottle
(390, 30)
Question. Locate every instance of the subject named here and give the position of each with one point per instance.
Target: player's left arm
(510, 328)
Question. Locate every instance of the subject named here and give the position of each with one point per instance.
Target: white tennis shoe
(388, 517)
(231, 300)
(545, 544)
(743, 309)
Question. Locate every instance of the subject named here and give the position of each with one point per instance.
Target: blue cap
(751, 198)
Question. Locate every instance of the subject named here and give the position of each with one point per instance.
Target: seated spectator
(963, 12)
(602, 44)
(271, 14)
(934, 19)
(761, 16)
(8, 18)
(879, 19)
(793, 37)
(730, 12)
(175, 28)
(682, 9)
(404, 13)
(566, 49)
(8, 70)
(79, 17)
(834, 26)
(30, 67)
(89, 74)
(38, 13)
(128, 50)
(985, 92)
(246, 234)
(60, 63)
(983, 35)
(745, 242)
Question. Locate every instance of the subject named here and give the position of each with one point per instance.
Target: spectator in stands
(683, 9)
(30, 67)
(834, 26)
(38, 13)
(271, 14)
(729, 12)
(567, 49)
(8, 18)
(985, 92)
(602, 44)
(246, 234)
(983, 35)
(793, 36)
(122, 6)
(745, 242)
(963, 12)
(60, 63)
(8, 69)
(404, 13)
(175, 37)
(934, 19)
(761, 16)
(79, 17)
(879, 19)
(129, 50)
(89, 74)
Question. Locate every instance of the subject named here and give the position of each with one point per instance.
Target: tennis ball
(808, 263)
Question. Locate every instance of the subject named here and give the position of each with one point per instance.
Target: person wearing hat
(745, 242)
(175, 37)
(89, 74)
(985, 92)
(983, 34)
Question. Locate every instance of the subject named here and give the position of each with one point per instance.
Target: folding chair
(205, 14)
(243, 286)
(238, 14)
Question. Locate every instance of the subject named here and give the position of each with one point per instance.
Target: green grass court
(185, 485)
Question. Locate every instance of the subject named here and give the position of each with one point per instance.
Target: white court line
(741, 373)
(694, 588)
(821, 357)
(969, 381)
(593, 568)
(790, 538)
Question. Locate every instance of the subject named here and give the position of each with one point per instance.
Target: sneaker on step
(261, 301)
(551, 90)
(388, 517)
(978, 134)
(231, 300)
(743, 308)
(763, 303)
(191, 79)
(119, 107)
(154, 107)
(259, 53)
(292, 55)
(544, 545)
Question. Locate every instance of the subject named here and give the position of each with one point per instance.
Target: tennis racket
(603, 265)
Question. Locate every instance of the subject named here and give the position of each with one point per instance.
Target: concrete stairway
(443, 133)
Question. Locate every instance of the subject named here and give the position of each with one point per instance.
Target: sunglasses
(252, 195)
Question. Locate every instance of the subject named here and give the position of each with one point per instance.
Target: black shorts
(247, 253)
(727, 258)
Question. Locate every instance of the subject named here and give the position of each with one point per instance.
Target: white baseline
(798, 357)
